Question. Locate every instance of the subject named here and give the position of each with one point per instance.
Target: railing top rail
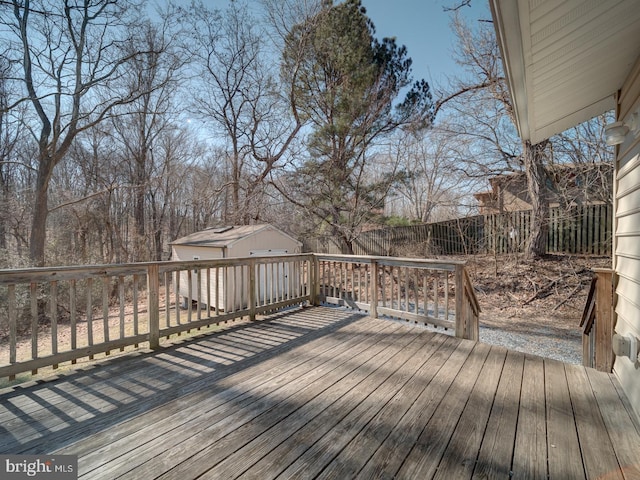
(602, 270)
(393, 261)
(473, 299)
(172, 265)
(47, 274)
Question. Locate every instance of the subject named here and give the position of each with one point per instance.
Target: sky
(424, 28)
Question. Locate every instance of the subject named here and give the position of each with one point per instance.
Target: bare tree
(433, 187)
(71, 54)
(143, 121)
(484, 98)
(236, 93)
(9, 139)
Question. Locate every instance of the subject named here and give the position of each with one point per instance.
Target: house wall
(626, 259)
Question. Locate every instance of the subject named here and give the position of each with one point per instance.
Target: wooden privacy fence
(585, 230)
(53, 315)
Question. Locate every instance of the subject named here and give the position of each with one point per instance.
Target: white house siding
(627, 240)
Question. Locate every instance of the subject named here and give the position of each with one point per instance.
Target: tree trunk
(534, 161)
(40, 211)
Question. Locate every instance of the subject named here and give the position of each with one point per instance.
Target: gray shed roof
(224, 236)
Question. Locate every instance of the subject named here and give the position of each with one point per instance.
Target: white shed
(230, 242)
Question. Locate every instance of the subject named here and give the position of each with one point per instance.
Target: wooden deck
(328, 393)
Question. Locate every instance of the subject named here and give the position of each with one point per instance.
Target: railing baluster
(199, 290)
(167, 299)
(252, 290)
(208, 291)
(178, 274)
(105, 310)
(217, 291)
(54, 319)
(447, 286)
(13, 324)
(122, 304)
(136, 327)
(415, 291)
(374, 289)
(436, 297)
(460, 304)
(73, 312)
(153, 287)
(189, 294)
(425, 294)
(90, 313)
(33, 297)
(406, 289)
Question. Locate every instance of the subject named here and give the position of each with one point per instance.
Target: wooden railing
(598, 322)
(53, 315)
(421, 291)
(98, 309)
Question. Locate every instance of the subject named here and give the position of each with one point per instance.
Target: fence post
(373, 310)
(460, 313)
(604, 320)
(252, 289)
(153, 307)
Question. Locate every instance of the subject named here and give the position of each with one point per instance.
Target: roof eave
(512, 61)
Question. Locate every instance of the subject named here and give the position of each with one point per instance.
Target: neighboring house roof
(224, 236)
(589, 183)
(565, 61)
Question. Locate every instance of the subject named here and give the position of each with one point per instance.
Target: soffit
(565, 60)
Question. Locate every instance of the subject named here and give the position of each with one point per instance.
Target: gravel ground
(543, 341)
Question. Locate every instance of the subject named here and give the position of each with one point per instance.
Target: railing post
(252, 290)
(153, 305)
(473, 309)
(373, 309)
(314, 279)
(604, 320)
(460, 304)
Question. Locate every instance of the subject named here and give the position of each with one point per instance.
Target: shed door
(274, 281)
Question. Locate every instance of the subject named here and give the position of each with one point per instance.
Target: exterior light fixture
(615, 133)
(634, 123)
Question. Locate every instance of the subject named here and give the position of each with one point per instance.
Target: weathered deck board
(530, 453)
(599, 457)
(326, 393)
(459, 459)
(494, 459)
(565, 461)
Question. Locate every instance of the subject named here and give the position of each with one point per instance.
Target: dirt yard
(516, 294)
